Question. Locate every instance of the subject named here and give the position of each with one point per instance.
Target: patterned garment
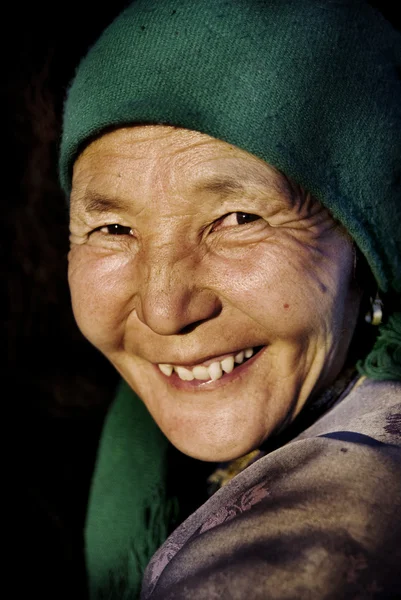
(318, 518)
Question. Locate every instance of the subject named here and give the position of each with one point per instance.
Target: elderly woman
(234, 173)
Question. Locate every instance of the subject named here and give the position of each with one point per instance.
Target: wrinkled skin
(197, 269)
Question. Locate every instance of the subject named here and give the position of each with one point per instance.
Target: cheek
(288, 288)
(100, 295)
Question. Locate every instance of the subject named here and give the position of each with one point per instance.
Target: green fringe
(384, 360)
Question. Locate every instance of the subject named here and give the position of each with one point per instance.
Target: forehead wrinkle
(171, 170)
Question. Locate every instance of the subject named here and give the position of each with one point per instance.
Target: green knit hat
(311, 86)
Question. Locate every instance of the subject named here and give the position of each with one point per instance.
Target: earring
(374, 316)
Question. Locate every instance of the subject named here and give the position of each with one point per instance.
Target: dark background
(56, 387)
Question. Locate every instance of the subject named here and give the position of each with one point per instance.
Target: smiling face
(222, 295)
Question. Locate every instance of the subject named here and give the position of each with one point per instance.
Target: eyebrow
(223, 186)
(95, 202)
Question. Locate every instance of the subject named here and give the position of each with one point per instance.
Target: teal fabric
(129, 514)
(384, 361)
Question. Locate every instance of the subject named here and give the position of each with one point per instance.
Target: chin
(214, 448)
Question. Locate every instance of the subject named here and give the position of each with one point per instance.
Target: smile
(212, 372)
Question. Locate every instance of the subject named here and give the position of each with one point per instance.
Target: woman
(231, 167)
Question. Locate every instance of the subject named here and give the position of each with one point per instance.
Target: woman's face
(223, 298)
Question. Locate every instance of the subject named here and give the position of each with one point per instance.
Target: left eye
(115, 229)
(237, 218)
(244, 218)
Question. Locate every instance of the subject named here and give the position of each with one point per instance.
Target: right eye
(114, 229)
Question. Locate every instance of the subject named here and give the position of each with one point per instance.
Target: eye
(115, 229)
(237, 218)
(244, 218)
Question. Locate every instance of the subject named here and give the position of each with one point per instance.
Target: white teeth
(215, 371)
(184, 374)
(239, 358)
(227, 364)
(166, 369)
(200, 372)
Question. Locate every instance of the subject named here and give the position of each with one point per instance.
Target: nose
(171, 298)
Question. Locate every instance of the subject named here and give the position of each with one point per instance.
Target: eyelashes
(245, 218)
(234, 219)
(114, 229)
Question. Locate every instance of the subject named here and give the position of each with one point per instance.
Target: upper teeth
(214, 371)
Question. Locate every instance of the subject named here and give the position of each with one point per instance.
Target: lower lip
(199, 385)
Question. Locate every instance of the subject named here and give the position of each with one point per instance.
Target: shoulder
(371, 408)
(317, 518)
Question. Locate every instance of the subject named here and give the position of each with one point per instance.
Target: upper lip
(205, 361)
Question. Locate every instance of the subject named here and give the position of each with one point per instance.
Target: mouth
(211, 370)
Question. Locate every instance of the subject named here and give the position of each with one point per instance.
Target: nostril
(191, 326)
